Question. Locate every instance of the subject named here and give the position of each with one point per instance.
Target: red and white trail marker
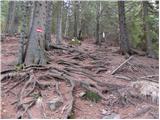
(39, 30)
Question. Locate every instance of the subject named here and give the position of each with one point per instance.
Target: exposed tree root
(70, 105)
(19, 82)
(12, 75)
(8, 71)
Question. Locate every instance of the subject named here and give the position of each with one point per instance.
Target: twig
(121, 65)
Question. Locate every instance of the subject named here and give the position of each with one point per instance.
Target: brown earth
(104, 59)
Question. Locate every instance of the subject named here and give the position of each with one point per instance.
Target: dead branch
(124, 78)
(140, 53)
(114, 71)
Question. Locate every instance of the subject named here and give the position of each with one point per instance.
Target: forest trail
(88, 64)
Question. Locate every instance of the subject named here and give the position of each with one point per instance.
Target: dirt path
(95, 63)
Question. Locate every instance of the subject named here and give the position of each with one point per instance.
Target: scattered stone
(112, 116)
(55, 103)
(82, 94)
(90, 105)
(104, 112)
(4, 110)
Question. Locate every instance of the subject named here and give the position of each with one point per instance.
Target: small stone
(90, 105)
(104, 112)
(4, 110)
(112, 116)
(82, 94)
(55, 104)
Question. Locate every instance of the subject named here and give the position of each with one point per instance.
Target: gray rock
(112, 116)
(55, 103)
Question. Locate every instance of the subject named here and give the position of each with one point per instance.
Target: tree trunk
(31, 15)
(48, 24)
(22, 33)
(98, 22)
(79, 16)
(35, 51)
(146, 29)
(67, 20)
(124, 42)
(75, 18)
(59, 24)
(11, 18)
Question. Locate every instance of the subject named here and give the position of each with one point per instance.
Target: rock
(82, 94)
(112, 116)
(104, 112)
(55, 103)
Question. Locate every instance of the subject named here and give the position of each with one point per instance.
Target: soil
(105, 56)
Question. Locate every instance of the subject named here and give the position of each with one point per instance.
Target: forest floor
(122, 94)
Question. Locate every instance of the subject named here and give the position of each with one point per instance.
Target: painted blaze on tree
(36, 46)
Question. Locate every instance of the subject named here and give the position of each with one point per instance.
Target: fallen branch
(121, 65)
(124, 78)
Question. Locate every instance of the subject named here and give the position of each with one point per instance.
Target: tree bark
(59, 24)
(22, 33)
(48, 24)
(75, 18)
(67, 20)
(98, 22)
(124, 42)
(11, 18)
(146, 29)
(36, 46)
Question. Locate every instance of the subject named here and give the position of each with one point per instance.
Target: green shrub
(92, 96)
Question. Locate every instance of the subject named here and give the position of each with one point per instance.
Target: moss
(72, 115)
(92, 96)
(19, 67)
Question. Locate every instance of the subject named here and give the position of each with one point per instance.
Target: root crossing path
(85, 81)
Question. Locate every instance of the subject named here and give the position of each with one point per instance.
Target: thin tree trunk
(67, 24)
(11, 18)
(75, 18)
(22, 33)
(31, 15)
(98, 22)
(59, 24)
(35, 52)
(48, 24)
(146, 29)
(124, 42)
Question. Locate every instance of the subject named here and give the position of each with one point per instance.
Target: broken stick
(121, 65)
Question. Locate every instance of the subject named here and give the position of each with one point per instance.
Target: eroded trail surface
(80, 81)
